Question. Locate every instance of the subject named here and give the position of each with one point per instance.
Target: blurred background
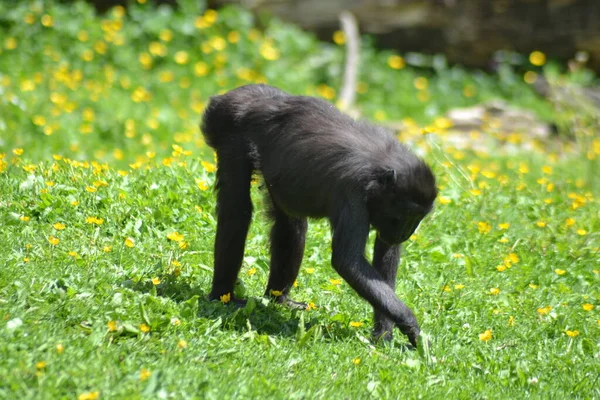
(497, 74)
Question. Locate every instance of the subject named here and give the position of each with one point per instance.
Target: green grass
(99, 297)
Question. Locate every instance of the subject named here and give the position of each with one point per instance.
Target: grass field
(107, 221)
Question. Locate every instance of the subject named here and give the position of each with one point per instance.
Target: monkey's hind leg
(234, 212)
(288, 236)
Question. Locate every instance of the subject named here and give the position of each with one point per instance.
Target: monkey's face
(396, 227)
(396, 213)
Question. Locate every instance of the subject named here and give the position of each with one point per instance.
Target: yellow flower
(396, 62)
(588, 307)
(572, 333)
(202, 184)
(201, 68)
(53, 240)
(233, 37)
(581, 232)
(444, 200)
(175, 236)
(94, 220)
(276, 293)
(91, 189)
(459, 286)
(484, 227)
(24, 218)
(251, 271)
(513, 258)
(144, 328)
(40, 364)
(339, 37)
(530, 77)
(421, 83)
(181, 57)
(145, 374)
(112, 326)
(155, 281)
(544, 310)
(129, 242)
(335, 281)
(541, 224)
(311, 306)
(47, 21)
(560, 271)
(17, 152)
(356, 324)
(533, 286)
(356, 361)
(494, 291)
(309, 270)
(501, 267)
(73, 254)
(89, 396)
(107, 249)
(226, 298)
(537, 58)
(165, 35)
(182, 344)
(59, 226)
(60, 348)
(485, 336)
(208, 167)
(570, 222)
(511, 321)
(504, 226)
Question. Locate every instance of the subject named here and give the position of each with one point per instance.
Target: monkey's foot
(286, 301)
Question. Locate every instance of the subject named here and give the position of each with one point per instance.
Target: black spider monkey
(316, 162)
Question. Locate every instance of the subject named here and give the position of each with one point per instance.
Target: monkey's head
(399, 198)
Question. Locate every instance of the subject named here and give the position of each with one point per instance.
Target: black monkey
(316, 162)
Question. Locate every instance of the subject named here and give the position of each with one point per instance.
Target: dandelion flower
(276, 293)
(572, 333)
(144, 328)
(485, 336)
(155, 281)
(335, 281)
(112, 326)
(356, 361)
(537, 58)
(356, 324)
(53, 240)
(544, 310)
(559, 271)
(145, 374)
(588, 307)
(226, 298)
(182, 344)
(494, 291)
(89, 396)
(130, 242)
(396, 62)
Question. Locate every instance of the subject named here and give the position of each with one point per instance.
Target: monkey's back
(309, 153)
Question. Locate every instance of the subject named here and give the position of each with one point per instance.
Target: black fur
(316, 162)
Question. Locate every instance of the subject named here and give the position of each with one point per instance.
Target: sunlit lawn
(107, 221)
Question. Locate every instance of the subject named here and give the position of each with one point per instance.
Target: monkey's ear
(387, 176)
